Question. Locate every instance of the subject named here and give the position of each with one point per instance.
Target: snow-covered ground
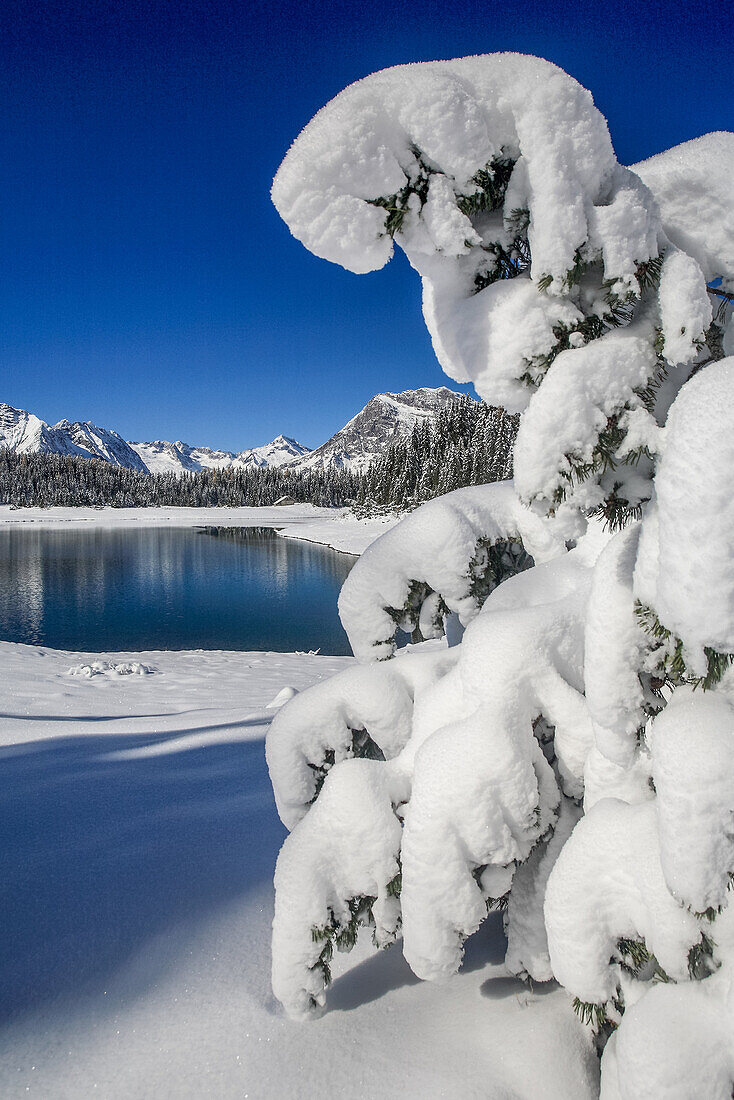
(335, 527)
(140, 840)
(140, 837)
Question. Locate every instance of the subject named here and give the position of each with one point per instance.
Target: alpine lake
(147, 588)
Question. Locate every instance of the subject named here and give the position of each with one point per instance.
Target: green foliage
(491, 184)
(575, 274)
(362, 747)
(493, 562)
(701, 961)
(395, 885)
(341, 935)
(406, 617)
(502, 262)
(634, 955)
(589, 328)
(668, 651)
(590, 1013)
(648, 273)
(398, 204)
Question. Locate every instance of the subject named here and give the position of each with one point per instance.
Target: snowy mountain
(88, 439)
(163, 457)
(23, 432)
(281, 451)
(386, 417)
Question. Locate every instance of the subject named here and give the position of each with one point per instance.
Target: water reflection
(170, 588)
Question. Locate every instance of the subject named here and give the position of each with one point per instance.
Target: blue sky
(148, 284)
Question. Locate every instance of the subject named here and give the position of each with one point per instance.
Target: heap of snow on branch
(569, 757)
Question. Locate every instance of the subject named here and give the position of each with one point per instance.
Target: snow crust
(685, 307)
(583, 388)
(614, 648)
(527, 941)
(458, 113)
(672, 1043)
(377, 700)
(346, 848)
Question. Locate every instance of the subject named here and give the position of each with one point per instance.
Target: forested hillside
(469, 443)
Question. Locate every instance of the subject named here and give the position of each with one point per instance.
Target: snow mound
(333, 873)
(106, 668)
(359, 712)
(614, 648)
(284, 696)
(467, 165)
(583, 388)
(692, 744)
(674, 1043)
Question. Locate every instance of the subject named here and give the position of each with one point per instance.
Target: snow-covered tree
(570, 756)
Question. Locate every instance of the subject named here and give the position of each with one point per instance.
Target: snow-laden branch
(361, 711)
(441, 548)
(607, 886)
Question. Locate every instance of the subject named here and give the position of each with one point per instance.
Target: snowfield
(140, 839)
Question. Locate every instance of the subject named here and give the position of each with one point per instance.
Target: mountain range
(384, 419)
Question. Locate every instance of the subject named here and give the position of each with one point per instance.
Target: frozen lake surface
(242, 588)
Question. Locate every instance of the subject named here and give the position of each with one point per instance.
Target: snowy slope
(386, 417)
(93, 442)
(23, 432)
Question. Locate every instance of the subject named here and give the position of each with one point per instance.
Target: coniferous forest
(468, 443)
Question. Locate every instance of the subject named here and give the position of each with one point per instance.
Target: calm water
(170, 588)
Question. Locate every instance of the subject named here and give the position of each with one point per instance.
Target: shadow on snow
(100, 853)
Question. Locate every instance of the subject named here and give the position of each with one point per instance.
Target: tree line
(468, 443)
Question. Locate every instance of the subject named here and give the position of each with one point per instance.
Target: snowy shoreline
(338, 528)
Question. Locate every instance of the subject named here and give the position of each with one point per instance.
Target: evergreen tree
(560, 765)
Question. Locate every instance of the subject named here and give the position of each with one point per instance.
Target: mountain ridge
(387, 417)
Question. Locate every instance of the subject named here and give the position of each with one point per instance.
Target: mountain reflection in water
(242, 588)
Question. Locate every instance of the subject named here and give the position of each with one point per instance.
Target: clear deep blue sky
(148, 284)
